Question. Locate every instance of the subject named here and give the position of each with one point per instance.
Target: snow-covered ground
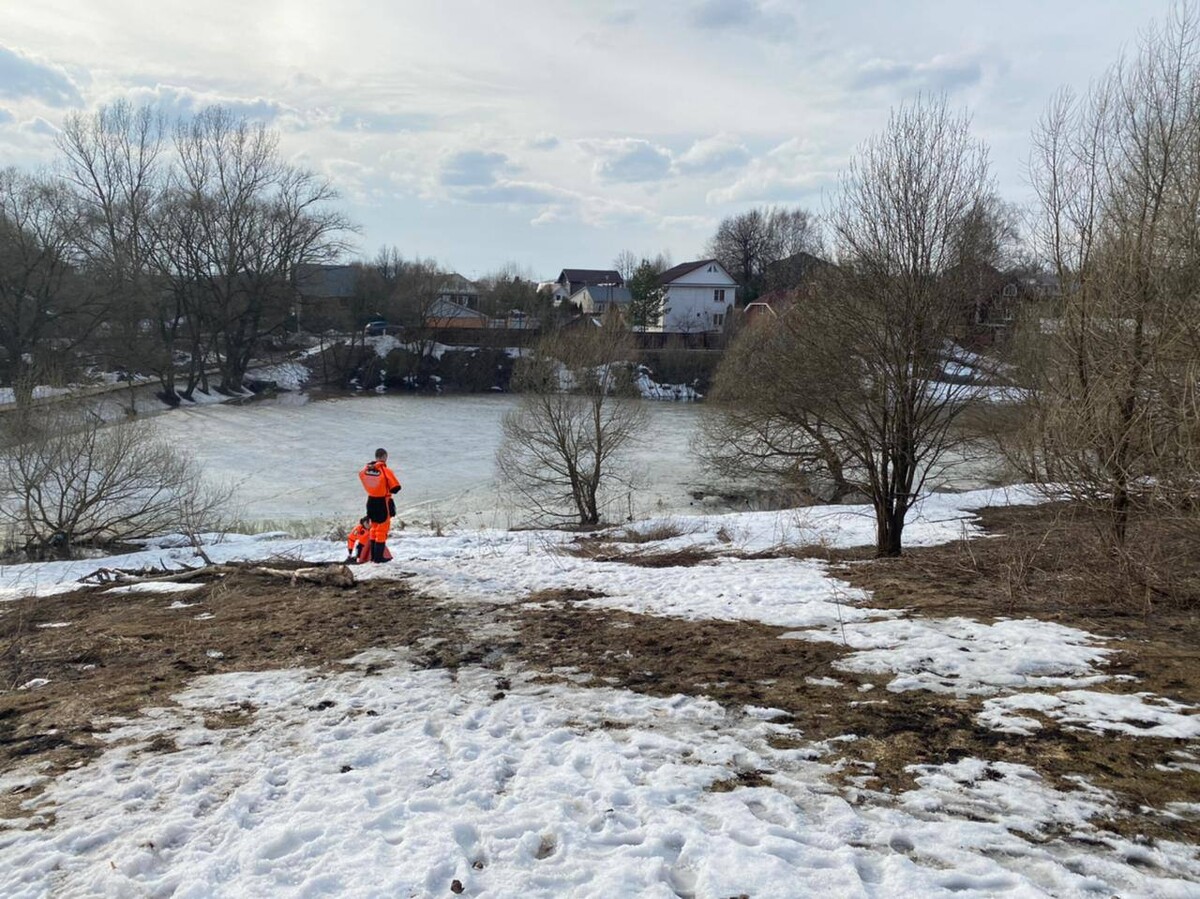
(401, 783)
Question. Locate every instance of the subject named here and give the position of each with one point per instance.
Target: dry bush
(664, 530)
(71, 480)
(1116, 406)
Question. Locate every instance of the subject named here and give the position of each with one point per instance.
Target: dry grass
(611, 547)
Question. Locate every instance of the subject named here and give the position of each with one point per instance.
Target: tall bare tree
(241, 222)
(848, 383)
(749, 242)
(115, 161)
(40, 294)
(1117, 399)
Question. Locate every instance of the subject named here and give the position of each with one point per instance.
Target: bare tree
(562, 447)
(848, 384)
(73, 480)
(114, 160)
(625, 264)
(748, 243)
(241, 223)
(757, 430)
(1115, 409)
(40, 295)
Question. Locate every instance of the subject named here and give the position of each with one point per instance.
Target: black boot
(377, 551)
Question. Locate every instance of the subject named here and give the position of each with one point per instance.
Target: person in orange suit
(381, 484)
(358, 543)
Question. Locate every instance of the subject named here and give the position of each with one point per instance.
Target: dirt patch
(745, 663)
(607, 551)
(119, 654)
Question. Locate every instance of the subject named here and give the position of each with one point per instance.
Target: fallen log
(328, 576)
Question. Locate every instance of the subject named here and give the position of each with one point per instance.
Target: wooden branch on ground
(328, 575)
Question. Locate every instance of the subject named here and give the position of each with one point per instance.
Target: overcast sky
(555, 133)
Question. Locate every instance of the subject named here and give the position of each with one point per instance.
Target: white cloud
(177, 102)
(630, 160)
(472, 168)
(940, 73)
(771, 21)
(24, 76)
(792, 171)
(713, 154)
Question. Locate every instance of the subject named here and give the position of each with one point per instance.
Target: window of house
(719, 319)
(719, 296)
(712, 268)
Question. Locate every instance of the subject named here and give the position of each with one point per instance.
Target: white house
(697, 297)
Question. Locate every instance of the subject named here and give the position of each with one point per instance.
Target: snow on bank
(8, 396)
(650, 389)
(403, 782)
(467, 564)
(285, 375)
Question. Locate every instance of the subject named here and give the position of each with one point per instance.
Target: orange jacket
(378, 480)
(358, 535)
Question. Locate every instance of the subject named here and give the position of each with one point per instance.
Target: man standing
(380, 483)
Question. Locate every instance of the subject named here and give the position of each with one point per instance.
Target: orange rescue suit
(378, 480)
(380, 483)
(358, 535)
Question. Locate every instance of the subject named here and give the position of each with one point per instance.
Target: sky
(548, 134)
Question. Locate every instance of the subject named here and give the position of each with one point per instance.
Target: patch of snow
(966, 657)
(286, 375)
(152, 587)
(1137, 714)
(411, 779)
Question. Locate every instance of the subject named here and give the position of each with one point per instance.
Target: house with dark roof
(696, 297)
(457, 289)
(793, 272)
(325, 293)
(572, 280)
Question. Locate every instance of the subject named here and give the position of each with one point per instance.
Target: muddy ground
(122, 653)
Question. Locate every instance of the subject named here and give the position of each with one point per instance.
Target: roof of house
(326, 281)
(678, 271)
(590, 276)
(456, 283)
(793, 270)
(619, 296)
(443, 308)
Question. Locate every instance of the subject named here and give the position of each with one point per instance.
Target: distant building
(793, 272)
(444, 313)
(697, 297)
(572, 280)
(596, 300)
(457, 289)
(324, 295)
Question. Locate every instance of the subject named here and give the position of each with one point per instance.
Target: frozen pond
(296, 460)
